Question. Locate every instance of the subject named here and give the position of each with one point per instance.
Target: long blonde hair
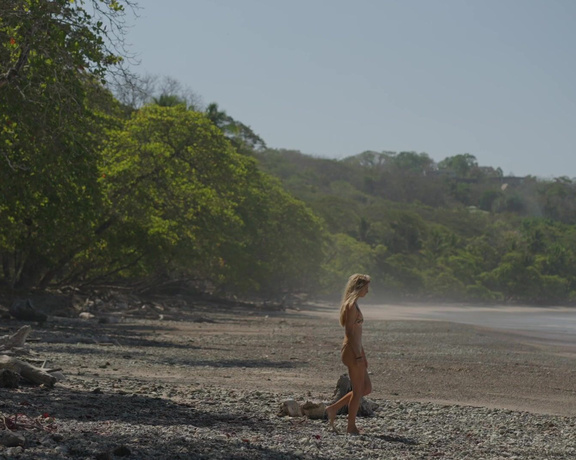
(355, 284)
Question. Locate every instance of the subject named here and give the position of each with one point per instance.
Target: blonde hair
(355, 284)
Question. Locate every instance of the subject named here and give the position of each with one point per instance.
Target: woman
(353, 355)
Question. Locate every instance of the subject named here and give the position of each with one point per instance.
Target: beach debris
(290, 408)
(27, 371)
(9, 379)
(15, 342)
(12, 368)
(310, 409)
(314, 410)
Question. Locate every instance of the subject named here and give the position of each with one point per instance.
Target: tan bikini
(347, 353)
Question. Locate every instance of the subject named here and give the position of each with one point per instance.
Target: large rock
(56, 304)
(24, 310)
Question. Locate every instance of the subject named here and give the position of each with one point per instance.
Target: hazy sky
(333, 78)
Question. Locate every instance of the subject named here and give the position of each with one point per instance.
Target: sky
(334, 78)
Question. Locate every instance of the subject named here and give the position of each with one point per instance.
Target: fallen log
(27, 371)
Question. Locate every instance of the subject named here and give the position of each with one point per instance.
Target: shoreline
(543, 325)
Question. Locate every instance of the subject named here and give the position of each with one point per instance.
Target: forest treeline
(136, 182)
(451, 230)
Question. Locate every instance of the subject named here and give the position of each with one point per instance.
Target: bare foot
(331, 413)
(354, 431)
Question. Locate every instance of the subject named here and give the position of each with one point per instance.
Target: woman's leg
(332, 410)
(357, 374)
(367, 384)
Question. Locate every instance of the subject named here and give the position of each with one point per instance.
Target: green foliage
(90, 191)
(183, 204)
(242, 137)
(173, 179)
(345, 255)
(462, 165)
(280, 248)
(52, 55)
(443, 284)
(452, 231)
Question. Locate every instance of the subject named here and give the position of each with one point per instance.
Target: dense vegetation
(452, 230)
(99, 188)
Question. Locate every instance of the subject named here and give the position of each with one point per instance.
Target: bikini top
(360, 317)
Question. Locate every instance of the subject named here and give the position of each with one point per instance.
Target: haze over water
(555, 325)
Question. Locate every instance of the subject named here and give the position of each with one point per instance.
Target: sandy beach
(512, 357)
(205, 382)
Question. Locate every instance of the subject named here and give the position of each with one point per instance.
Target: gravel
(127, 419)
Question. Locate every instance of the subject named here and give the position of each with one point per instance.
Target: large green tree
(183, 204)
(53, 57)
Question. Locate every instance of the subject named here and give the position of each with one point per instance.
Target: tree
(54, 56)
(135, 91)
(60, 37)
(182, 204)
(412, 162)
(173, 185)
(462, 164)
(241, 136)
(345, 255)
(280, 248)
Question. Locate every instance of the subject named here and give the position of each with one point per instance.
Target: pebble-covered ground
(209, 385)
(173, 422)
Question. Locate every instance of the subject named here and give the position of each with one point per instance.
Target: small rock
(14, 452)
(11, 439)
(9, 379)
(59, 376)
(122, 451)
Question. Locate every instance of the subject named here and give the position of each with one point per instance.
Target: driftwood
(12, 368)
(27, 371)
(16, 340)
